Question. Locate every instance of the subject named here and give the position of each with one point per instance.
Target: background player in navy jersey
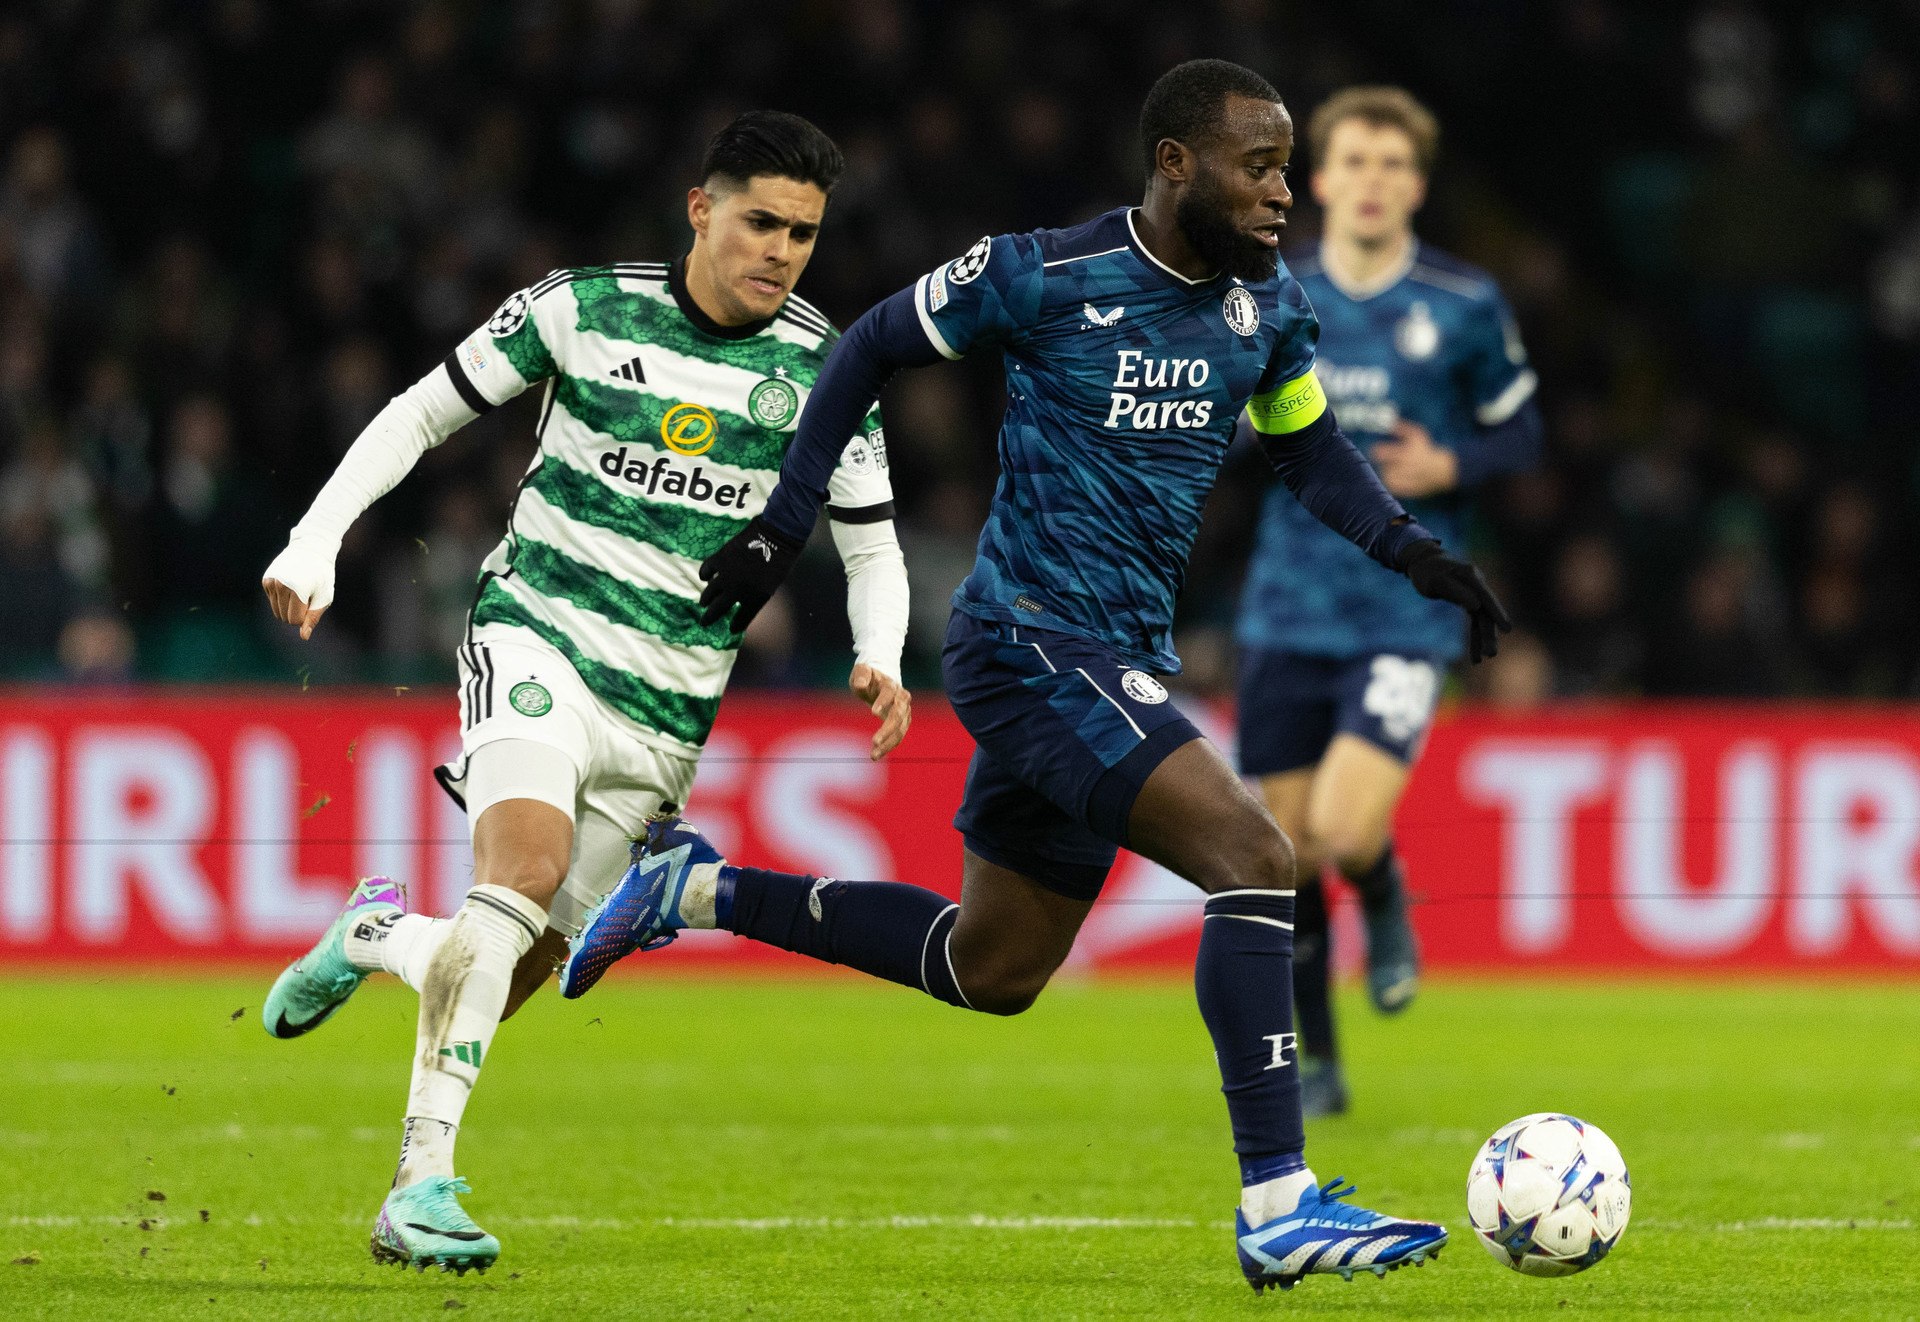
(1132, 343)
(1340, 660)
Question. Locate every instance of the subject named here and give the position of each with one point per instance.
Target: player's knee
(1350, 851)
(1006, 995)
(533, 874)
(1007, 985)
(1255, 855)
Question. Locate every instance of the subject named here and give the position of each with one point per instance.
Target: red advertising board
(212, 825)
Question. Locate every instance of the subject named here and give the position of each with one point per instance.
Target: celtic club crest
(530, 699)
(773, 404)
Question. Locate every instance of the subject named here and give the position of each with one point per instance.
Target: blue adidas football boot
(1328, 1236)
(643, 911)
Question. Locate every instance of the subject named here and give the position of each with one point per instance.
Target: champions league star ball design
(510, 316)
(971, 262)
(1549, 1195)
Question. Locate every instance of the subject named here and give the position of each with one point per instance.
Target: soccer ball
(1549, 1195)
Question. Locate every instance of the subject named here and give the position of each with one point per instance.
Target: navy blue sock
(886, 928)
(1313, 973)
(1378, 883)
(1243, 980)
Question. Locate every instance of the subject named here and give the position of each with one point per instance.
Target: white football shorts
(531, 729)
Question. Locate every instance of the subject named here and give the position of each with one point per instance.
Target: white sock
(400, 944)
(1263, 1202)
(366, 939)
(462, 994)
(410, 946)
(698, 896)
(426, 1148)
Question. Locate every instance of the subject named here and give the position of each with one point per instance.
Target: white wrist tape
(306, 566)
(877, 595)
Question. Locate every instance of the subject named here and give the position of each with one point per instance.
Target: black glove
(1444, 577)
(745, 573)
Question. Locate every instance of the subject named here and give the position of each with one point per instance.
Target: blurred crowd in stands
(230, 231)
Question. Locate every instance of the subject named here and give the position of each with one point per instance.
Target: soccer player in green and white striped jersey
(588, 681)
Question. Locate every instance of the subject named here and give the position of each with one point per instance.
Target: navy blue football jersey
(1433, 343)
(1124, 383)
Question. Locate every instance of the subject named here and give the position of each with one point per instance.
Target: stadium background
(1664, 850)
(229, 232)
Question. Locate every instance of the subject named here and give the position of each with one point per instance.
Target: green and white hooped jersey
(661, 434)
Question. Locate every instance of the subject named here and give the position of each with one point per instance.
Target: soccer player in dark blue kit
(1131, 343)
(1340, 661)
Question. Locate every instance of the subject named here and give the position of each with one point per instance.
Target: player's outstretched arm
(1339, 487)
(494, 364)
(743, 574)
(877, 607)
(299, 582)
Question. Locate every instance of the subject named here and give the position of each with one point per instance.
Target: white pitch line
(1813, 1223)
(935, 1221)
(976, 1221)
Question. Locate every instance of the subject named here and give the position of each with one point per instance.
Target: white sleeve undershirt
(876, 592)
(413, 422)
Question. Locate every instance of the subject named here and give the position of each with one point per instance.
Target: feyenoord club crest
(773, 404)
(1417, 336)
(1142, 687)
(1242, 313)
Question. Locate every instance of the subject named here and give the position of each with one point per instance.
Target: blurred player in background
(1132, 343)
(1340, 661)
(589, 681)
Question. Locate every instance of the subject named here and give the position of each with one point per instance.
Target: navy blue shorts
(1067, 733)
(1292, 705)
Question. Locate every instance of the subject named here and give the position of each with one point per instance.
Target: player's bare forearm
(886, 699)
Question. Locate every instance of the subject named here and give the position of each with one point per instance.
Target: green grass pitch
(690, 1147)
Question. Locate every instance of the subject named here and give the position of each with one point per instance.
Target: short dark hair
(1186, 103)
(1380, 107)
(772, 142)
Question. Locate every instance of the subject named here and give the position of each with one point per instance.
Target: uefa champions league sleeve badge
(511, 316)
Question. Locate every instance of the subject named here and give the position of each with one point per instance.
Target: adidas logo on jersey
(630, 371)
(663, 477)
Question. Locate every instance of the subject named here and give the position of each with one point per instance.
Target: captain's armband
(1299, 403)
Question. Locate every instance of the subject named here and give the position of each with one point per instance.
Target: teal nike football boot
(424, 1225)
(310, 989)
